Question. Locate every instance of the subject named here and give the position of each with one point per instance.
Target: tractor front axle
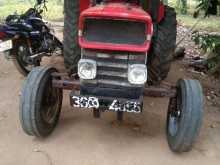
(163, 90)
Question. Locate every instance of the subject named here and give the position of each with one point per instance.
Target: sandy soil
(81, 139)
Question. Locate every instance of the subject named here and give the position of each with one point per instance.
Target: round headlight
(87, 69)
(137, 74)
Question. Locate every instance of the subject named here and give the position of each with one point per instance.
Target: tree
(182, 4)
(209, 6)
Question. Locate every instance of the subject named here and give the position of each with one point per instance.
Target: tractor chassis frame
(65, 82)
(165, 89)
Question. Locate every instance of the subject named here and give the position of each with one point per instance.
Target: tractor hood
(115, 26)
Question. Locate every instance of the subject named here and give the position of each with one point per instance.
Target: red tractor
(116, 52)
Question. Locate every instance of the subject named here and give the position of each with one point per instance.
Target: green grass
(211, 23)
(55, 8)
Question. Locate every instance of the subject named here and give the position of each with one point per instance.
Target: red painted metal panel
(2, 35)
(84, 4)
(161, 12)
(117, 11)
(119, 47)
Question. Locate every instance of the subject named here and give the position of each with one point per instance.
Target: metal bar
(112, 73)
(160, 92)
(110, 82)
(38, 55)
(114, 82)
(66, 84)
(112, 64)
(57, 74)
(154, 91)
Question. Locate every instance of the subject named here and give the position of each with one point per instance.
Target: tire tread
(164, 43)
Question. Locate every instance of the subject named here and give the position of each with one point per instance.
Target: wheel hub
(50, 104)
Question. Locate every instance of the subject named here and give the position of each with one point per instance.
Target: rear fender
(161, 13)
(2, 35)
(7, 32)
(2, 32)
(84, 4)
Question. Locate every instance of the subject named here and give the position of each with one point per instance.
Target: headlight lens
(137, 74)
(87, 69)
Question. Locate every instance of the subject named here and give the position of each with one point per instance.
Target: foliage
(203, 5)
(206, 6)
(207, 42)
(210, 43)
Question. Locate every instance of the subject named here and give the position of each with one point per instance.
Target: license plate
(126, 106)
(115, 105)
(85, 102)
(5, 45)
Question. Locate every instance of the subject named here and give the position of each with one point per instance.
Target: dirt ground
(80, 139)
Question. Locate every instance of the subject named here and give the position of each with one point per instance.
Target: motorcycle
(26, 38)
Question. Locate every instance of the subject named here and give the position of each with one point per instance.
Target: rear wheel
(163, 47)
(20, 60)
(71, 47)
(40, 103)
(184, 117)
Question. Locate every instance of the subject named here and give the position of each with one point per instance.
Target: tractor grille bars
(112, 68)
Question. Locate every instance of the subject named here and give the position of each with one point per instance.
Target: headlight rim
(89, 61)
(134, 66)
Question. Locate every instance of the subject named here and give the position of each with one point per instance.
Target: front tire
(40, 103)
(184, 117)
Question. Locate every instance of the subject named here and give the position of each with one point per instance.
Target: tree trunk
(182, 4)
(184, 7)
(213, 8)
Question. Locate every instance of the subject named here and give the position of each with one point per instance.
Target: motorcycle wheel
(21, 52)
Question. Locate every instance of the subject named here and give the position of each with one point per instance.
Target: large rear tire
(163, 47)
(71, 46)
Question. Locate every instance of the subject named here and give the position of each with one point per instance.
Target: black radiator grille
(112, 69)
(115, 31)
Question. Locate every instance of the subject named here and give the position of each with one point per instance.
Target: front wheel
(40, 103)
(184, 117)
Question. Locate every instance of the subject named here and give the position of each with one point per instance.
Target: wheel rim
(22, 58)
(173, 125)
(50, 103)
(175, 114)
